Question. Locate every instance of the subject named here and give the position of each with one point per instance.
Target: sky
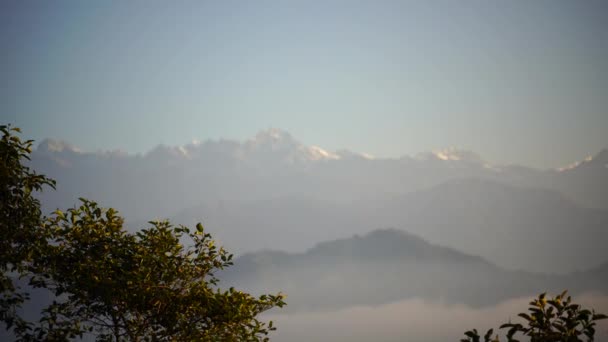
(521, 82)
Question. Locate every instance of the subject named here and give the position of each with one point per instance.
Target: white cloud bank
(413, 320)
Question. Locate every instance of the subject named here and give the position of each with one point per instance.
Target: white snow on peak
(184, 152)
(53, 145)
(443, 155)
(317, 153)
(367, 156)
(452, 154)
(276, 133)
(575, 164)
(292, 151)
(600, 159)
(169, 153)
(272, 135)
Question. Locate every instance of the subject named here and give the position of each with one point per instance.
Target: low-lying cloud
(413, 320)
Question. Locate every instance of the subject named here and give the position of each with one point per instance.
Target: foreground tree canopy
(20, 221)
(154, 285)
(548, 320)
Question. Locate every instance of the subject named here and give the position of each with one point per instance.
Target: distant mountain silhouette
(390, 265)
(514, 227)
(274, 164)
(272, 191)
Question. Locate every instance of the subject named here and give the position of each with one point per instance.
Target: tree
(553, 320)
(20, 221)
(154, 285)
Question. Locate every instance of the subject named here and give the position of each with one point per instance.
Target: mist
(401, 170)
(416, 248)
(413, 320)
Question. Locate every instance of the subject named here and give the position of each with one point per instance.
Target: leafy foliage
(142, 285)
(154, 285)
(20, 221)
(553, 320)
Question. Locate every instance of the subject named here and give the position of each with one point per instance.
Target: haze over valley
(274, 186)
(400, 170)
(340, 230)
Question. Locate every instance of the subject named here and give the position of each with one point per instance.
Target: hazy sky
(516, 81)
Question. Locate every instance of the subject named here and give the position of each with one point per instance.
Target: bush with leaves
(154, 285)
(548, 320)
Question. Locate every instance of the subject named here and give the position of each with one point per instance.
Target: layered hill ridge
(272, 189)
(389, 265)
(514, 227)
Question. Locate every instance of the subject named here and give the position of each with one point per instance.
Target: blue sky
(516, 81)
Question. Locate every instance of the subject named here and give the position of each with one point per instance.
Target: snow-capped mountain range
(275, 143)
(273, 187)
(281, 146)
(273, 164)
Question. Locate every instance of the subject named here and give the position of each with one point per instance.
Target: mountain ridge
(276, 164)
(353, 274)
(278, 139)
(503, 223)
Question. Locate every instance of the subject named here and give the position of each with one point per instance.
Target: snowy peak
(317, 153)
(274, 138)
(275, 145)
(282, 145)
(56, 146)
(600, 160)
(452, 154)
